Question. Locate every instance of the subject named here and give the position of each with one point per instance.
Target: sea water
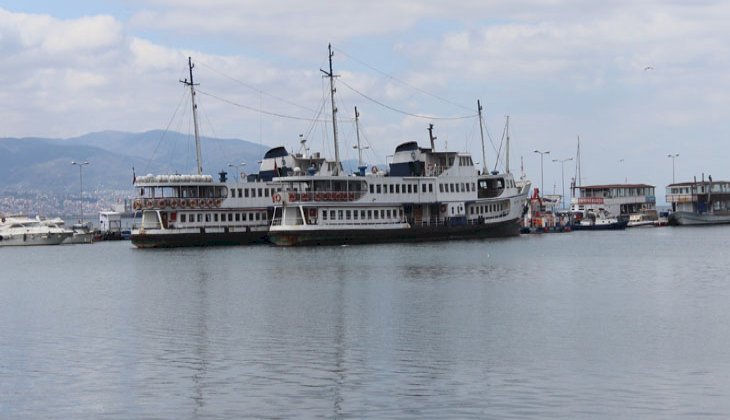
(581, 325)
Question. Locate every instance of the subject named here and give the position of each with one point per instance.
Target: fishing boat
(20, 230)
(424, 194)
(706, 202)
(177, 210)
(597, 218)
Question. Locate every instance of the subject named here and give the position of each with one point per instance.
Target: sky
(635, 80)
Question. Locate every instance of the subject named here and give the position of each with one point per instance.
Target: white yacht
(19, 230)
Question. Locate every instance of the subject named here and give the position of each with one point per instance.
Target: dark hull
(413, 234)
(178, 240)
(611, 226)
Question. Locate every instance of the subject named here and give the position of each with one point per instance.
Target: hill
(44, 164)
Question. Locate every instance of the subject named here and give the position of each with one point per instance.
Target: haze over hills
(45, 164)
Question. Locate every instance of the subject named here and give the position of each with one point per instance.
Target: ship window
(233, 193)
(387, 213)
(324, 214)
(347, 214)
(473, 186)
(451, 187)
(377, 188)
(430, 188)
(266, 192)
(258, 216)
(182, 218)
(441, 187)
(397, 188)
(472, 210)
(332, 215)
(215, 217)
(423, 188)
(376, 214)
(238, 217)
(467, 187)
(339, 215)
(207, 217)
(370, 214)
(462, 187)
(410, 188)
(362, 214)
(355, 213)
(260, 193)
(372, 189)
(391, 188)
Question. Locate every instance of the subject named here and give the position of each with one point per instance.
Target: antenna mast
(195, 116)
(481, 132)
(332, 76)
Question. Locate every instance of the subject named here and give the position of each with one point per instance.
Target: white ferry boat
(196, 210)
(699, 203)
(19, 230)
(424, 195)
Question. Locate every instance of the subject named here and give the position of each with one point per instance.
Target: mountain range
(44, 164)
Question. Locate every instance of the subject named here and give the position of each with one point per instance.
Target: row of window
(253, 192)
(399, 188)
(384, 214)
(488, 208)
(222, 217)
(457, 187)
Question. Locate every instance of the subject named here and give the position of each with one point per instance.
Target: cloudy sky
(636, 80)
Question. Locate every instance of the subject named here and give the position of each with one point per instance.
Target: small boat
(638, 220)
(19, 230)
(597, 219)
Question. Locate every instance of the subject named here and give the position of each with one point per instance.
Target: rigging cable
(427, 117)
(400, 81)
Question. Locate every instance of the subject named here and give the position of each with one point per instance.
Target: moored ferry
(706, 202)
(423, 195)
(197, 210)
(440, 196)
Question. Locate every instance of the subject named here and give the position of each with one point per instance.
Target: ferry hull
(683, 218)
(412, 234)
(33, 239)
(176, 240)
(620, 225)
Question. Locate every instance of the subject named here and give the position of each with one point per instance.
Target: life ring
(292, 196)
(312, 213)
(306, 197)
(148, 204)
(173, 203)
(209, 203)
(161, 203)
(351, 196)
(183, 202)
(374, 170)
(190, 203)
(443, 208)
(218, 202)
(317, 196)
(137, 205)
(276, 198)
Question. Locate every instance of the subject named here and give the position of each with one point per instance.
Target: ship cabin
(621, 200)
(706, 196)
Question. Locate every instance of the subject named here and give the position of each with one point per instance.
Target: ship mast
(481, 132)
(195, 116)
(506, 163)
(332, 76)
(360, 166)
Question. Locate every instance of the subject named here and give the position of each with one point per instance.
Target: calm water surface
(581, 325)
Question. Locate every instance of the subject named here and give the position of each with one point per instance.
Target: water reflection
(624, 325)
